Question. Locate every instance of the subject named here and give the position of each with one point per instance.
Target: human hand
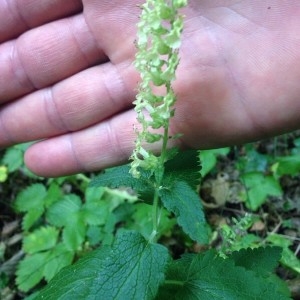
(69, 81)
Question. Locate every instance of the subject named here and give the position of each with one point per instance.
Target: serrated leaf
(33, 268)
(117, 177)
(58, 258)
(54, 194)
(141, 221)
(207, 276)
(261, 260)
(31, 217)
(95, 213)
(209, 159)
(184, 202)
(76, 279)
(258, 188)
(185, 166)
(132, 269)
(65, 211)
(120, 177)
(41, 239)
(13, 158)
(94, 194)
(288, 259)
(288, 165)
(74, 234)
(30, 270)
(31, 198)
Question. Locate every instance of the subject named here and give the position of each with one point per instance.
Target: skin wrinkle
(22, 76)
(121, 87)
(94, 38)
(79, 45)
(114, 140)
(21, 16)
(5, 131)
(49, 101)
(37, 8)
(45, 65)
(260, 26)
(80, 165)
(111, 14)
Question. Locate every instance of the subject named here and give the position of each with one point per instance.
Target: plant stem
(159, 176)
(155, 217)
(174, 282)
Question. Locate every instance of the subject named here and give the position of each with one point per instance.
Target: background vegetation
(250, 194)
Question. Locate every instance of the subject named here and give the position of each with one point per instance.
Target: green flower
(159, 32)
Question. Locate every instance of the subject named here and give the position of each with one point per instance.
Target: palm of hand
(237, 77)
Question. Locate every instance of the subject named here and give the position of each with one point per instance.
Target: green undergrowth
(81, 227)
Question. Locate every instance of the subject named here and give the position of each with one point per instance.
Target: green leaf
(120, 177)
(54, 194)
(94, 194)
(31, 217)
(185, 203)
(260, 260)
(95, 210)
(75, 281)
(95, 213)
(253, 161)
(185, 166)
(141, 221)
(33, 268)
(289, 165)
(74, 234)
(58, 258)
(288, 259)
(41, 239)
(31, 198)
(13, 158)
(259, 187)
(209, 159)
(132, 269)
(65, 211)
(207, 276)
(68, 213)
(30, 270)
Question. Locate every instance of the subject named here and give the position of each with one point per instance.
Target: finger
(17, 16)
(45, 55)
(94, 148)
(117, 24)
(80, 101)
(104, 145)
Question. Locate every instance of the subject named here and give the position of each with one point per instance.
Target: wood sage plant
(157, 58)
